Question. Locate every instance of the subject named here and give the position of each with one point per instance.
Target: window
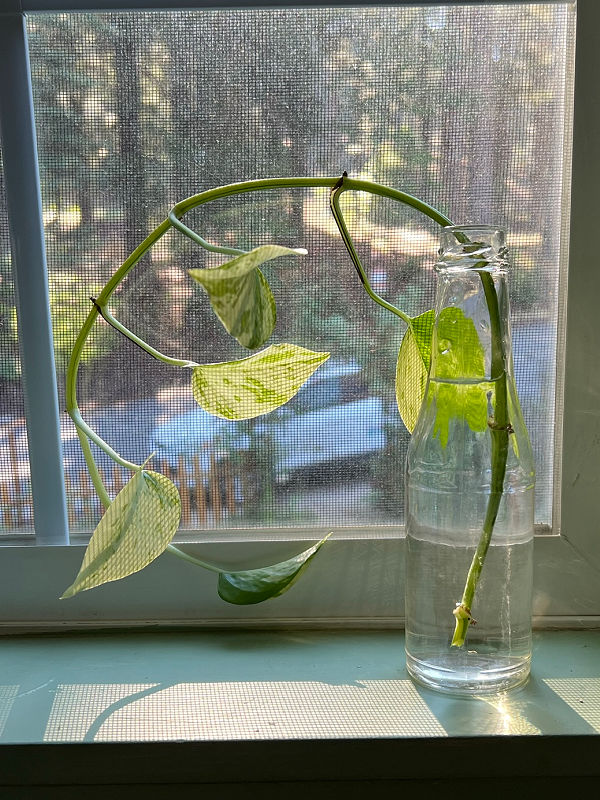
(15, 487)
(468, 106)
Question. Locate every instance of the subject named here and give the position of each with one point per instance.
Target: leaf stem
(213, 248)
(334, 203)
(118, 326)
(175, 551)
(93, 436)
(337, 186)
(73, 367)
(174, 220)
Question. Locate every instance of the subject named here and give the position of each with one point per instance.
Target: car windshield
(335, 383)
(319, 394)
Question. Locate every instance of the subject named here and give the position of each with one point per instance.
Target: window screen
(467, 107)
(16, 507)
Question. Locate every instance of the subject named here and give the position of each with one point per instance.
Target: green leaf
(460, 356)
(412, 368)
(136, 528)
(256, 585)
(459, 401)
(254, 385)
(240, 295)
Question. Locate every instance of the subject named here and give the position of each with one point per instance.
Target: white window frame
(357, 578)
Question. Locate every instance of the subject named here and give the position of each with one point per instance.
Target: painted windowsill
(223, 707)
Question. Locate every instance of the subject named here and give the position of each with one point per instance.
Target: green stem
(175, 551)
(174, 221)
(102, 300)
(334, 203)
(500, 431)
(73, 368)
(499, 436)
(213, 248)
(311, 183)
(93, 436)
(93, 469)
(173, 362)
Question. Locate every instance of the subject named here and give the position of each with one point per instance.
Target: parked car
(331, 419)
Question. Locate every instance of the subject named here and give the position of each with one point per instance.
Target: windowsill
(269, 706)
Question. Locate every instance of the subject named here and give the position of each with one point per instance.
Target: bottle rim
(484, 248)
(474, 226)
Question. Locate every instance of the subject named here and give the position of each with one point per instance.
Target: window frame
(356, 581)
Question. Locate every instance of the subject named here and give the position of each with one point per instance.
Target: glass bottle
(470, 485)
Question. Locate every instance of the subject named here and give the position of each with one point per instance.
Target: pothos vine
(141, 521)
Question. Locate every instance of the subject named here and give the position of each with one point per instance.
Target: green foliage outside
(136, 110)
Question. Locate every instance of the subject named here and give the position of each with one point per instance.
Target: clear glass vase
(470, 485)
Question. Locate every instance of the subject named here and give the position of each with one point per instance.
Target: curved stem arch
(337, 187)
(173, 220)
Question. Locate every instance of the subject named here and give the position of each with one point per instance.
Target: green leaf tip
(240, 295)
(136, 528)
(255, 385)
(412, 368)
(256, 585)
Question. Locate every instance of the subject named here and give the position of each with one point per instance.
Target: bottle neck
(471, 338)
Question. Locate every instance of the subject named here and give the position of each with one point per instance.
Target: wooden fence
(209, 496)
(15, 487)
